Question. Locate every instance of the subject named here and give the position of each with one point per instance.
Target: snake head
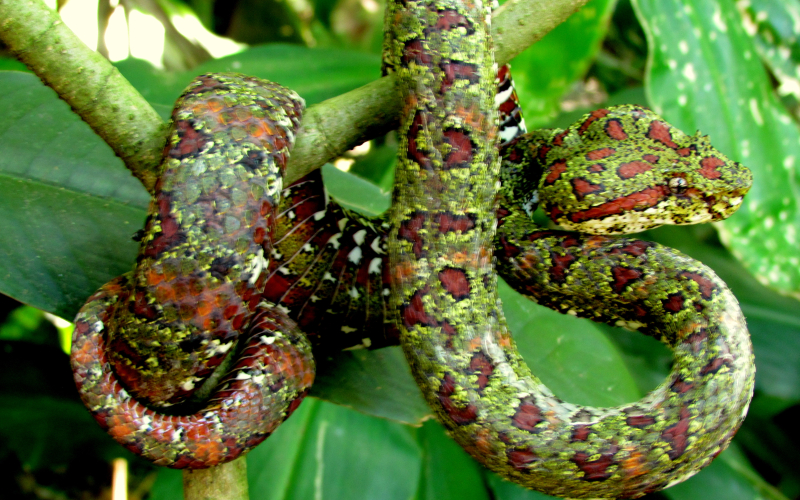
(624, 169)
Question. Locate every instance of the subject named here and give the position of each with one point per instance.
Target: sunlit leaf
(708, 77)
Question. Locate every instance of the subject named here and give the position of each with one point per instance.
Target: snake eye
(678, 185)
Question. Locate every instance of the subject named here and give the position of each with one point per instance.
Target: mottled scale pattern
(151, 336)
(445, 292)
(329, 268)
(593, 185)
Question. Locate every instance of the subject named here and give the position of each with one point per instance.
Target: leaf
(43, 140)
(69, 207)
(315, 74)
(324, 451)
(377, 383)
(710, 79)
(354, 192)
(43, 421)
(447, 471)
(773, 25)
(729, 477)
(572, 356)
(542, 79)
(60, 245)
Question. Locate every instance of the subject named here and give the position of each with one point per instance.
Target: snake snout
(738, 181)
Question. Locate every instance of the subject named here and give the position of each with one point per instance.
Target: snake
(442, 246)
(143, 341)
(297, 270)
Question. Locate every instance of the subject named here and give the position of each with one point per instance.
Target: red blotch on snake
(633, 168)
(527, 416)
(659, 132)
(676, 435)
(623, 277)
(455, 282)
(709, 166)
(637, 201)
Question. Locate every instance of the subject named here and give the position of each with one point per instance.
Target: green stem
(94, 88)
(223, 482)
(121, 116)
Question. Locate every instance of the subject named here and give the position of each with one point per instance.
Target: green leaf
(333, 450)
(729, 477)
(768, 437)
(59, 245)
(546, 71)
(354, 192)
(773, 24)
(42, 420)
(448, 473)
(7, 64)
(708, 78)
(42, 140)
(572, 356)
(374, 382)
(315, 74)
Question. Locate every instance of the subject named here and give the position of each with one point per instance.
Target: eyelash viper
(314, 238)
(444, 286)
(149, 336)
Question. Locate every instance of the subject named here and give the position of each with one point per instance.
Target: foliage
(69, 210)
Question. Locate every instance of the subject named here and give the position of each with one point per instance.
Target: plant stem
(121, 116)
(94, 88)
(223, 482)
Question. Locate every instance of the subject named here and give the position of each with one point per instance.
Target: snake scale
(224, 253)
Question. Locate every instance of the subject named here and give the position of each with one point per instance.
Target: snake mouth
(723, 207)
(724, 204)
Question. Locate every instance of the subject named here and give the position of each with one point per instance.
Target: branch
(223, 482)
(87, 81)
(124, 119)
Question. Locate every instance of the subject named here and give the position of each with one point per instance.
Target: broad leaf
(709, 78)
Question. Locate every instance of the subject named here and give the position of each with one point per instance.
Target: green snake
(302, 258)
(444, 285)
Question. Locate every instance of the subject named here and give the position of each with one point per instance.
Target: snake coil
(445, 288)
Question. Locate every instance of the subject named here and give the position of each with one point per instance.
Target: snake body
(151, 335)
(146, 339)
(445, 289)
